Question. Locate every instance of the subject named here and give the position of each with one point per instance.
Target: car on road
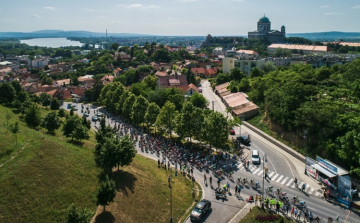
(86, 114)
(99, 114)
(94, 118)
(244, 140)
(197, 214)
(232, 131)
(255, 158)
(200, 90)
(74, 107)
(68, 106)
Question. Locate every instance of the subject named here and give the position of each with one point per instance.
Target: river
(51, 42)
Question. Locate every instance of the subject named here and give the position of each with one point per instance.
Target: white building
(218, 51)
(39, 63)
(243, 64)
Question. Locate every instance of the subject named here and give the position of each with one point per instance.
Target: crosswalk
(280, 179)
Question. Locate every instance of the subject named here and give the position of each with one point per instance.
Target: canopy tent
(323, 170)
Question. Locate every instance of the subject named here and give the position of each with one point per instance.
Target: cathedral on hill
(264, 31)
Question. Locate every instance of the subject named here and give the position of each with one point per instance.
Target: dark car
(232, 131)
(244, 140)
(200, 210)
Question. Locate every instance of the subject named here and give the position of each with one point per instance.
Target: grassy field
(51, 172)
(257, 211)
(39, 183)
(144, 194)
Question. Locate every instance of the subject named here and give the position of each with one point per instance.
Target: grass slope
(256, 211)
(45, 178)
(144, 195)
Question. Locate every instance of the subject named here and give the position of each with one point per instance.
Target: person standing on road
(277, 207)
(205, 178)
(228, 187)
(236, 190)
(299, 215)
(287, 209)
(295, 212)
(218, 183)
(159, 163)
(292, 211)
(256, 199)
(210, 179)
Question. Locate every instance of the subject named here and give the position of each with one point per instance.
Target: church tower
(283, 29)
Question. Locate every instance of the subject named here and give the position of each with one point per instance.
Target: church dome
(264, 19)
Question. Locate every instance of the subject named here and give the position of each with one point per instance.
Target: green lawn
(257, 211)
(144, 195)
(51, 172)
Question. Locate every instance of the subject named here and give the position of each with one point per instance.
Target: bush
(267, 218)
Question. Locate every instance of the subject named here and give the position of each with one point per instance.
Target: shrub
(267, 218)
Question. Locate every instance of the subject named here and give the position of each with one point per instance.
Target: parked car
(68, 106)
(74, 107)
(200, 90)
(255, 158)
(99, 114)
(197, 214)
(244, 140)
(86, 114)
(232, 131)
(94, 118)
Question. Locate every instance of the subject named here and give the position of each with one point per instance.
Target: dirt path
(17, 153)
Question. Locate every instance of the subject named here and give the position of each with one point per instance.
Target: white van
(255, 158)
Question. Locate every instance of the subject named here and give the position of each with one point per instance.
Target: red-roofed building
(107, 79)
(204, 72)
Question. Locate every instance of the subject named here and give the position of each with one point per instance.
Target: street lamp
(265, 155)
(169, 179)
(306, 137)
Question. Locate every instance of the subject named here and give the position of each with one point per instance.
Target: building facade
(264, 31)
(244, 65)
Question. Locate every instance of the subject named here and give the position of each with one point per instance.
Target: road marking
(271, 174)
(273, 178)
(252, 169)
(300, 184)
(259, 174)
(284, 180)
(290, 181)
(257, 170)
(311, 191)
(311, 208)
(307, 187)
(278, 180)
(242, 168)
(316, 193)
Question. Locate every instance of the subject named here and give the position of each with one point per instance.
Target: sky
(179, 17)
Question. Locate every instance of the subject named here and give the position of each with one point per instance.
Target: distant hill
(328, 36)
(61, 33)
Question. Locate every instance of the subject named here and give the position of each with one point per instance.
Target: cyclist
(295, 198)
(295, 181)
(256, 184)
(270, 188)
(239, 179)
(252, 181)
(210, 179)
(279, 190)
(303, 203)
(245, 180)
(204, 178)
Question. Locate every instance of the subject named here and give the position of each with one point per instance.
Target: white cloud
(140, 6)
(356, 7)
(324, 6)
(49, 8)
(334, 13)
(35, 16)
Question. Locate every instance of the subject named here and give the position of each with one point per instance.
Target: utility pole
(263, 197)
(171, 218)
(306, 137)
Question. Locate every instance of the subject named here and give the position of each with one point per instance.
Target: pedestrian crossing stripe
(292, 185)
(252, 168)
(311, 191)
(278, 180)
(301, 184)
(256, 171)
(259, 174)
(285, 180)
(271, 174)
(290, 181)
(275, 176)
(317, 193)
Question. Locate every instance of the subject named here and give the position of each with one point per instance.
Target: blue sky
(179, 17)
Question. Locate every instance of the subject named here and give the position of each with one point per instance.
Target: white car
(255, 158)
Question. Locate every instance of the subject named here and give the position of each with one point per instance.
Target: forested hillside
(324, 101)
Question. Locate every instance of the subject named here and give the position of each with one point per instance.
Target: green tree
(7, 93)
(45, 99)
(115, 46)
(139, 110)
(167, 117)
(198, 100)
(217, 129)
(76, 215)
(128, 105)
(106, 193)
(51, 122)
(33, 116)
(269, 66)
(61, 112)
(55, 104)
(151, 114)
(8, 116)
(80, 132)
(256, 72)
(236, 74)
(69, 126)
(185, 121)
(15, 130)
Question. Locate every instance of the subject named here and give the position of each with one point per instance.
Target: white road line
(278, 180)
(241, 168)
(316, 193)
(271, 174)
(252, 169)
(273, 178)
(259, 174)
(284, 180)
(257, 170)
(292, 185)
(311, 191)
(300, 185)
(290, 181)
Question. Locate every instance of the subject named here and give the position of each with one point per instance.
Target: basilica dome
(264, 19)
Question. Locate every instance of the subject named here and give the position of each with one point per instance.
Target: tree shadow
(75, 142)
(124, 181)
(105, 216)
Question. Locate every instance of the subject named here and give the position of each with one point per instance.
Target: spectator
(277, 207)
(292, 211)
(236, 190)
(295, 212)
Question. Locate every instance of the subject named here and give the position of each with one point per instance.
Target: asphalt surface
(224, 210)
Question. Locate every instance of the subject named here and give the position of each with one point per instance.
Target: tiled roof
(246, 51)
(204, 71)
(166, 81)
(192, 86)
(299, 47)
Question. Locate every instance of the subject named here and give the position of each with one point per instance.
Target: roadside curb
(240, 215)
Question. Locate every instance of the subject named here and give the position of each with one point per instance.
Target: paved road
(224, 211)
